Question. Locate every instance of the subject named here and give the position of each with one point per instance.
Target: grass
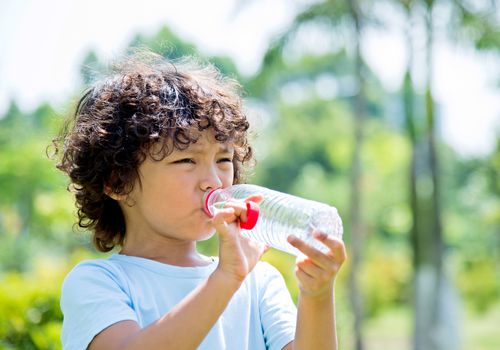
(392, 330)
(482, 331)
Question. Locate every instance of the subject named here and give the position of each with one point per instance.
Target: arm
(316, 273)
(184, 327)
(316, 323)
(188, 323)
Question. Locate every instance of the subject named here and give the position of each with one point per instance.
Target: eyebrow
(199, 149)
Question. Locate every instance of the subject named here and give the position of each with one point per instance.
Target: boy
(146, 143)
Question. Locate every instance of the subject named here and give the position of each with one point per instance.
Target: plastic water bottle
(278, 215)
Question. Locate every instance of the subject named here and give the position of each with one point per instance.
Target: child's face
(168, 200)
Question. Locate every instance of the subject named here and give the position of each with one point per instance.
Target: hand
(238, 255)
(316, 271)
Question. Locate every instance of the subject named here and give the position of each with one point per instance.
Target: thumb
(221, 221)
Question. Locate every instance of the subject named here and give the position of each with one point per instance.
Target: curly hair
(145, 100)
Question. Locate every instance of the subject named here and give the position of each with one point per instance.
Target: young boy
(145, 144)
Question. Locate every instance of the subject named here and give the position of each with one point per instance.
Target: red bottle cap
(253, 211)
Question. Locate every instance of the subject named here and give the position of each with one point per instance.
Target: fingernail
(319, 234)
(292, 238)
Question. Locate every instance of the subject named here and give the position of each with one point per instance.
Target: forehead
(206, 139)
(204, 146)
(200, 142)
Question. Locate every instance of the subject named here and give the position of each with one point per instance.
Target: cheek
(228, 177)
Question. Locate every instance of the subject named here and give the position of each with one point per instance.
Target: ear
(117, 197)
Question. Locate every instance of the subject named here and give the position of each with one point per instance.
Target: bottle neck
(206, 202)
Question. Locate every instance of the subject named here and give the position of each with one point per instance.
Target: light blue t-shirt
(98, 293)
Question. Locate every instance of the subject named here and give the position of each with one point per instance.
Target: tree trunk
(356, 233)
(435, 302)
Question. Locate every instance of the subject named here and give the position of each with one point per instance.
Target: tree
(345, 19)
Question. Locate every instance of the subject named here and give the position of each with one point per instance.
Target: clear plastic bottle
(278, 216)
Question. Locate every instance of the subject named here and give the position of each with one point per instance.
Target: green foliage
(478, 24)
(90, 68)
(304, 148)
(16, 253)
(479, 282)
(34, 203)
(387, 280)
(310, 134)
(166, 43)
(30, 317)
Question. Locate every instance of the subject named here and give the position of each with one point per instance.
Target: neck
(165, 250)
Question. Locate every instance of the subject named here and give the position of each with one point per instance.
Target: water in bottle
(279, 215)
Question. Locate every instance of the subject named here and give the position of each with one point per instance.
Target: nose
(211, 179)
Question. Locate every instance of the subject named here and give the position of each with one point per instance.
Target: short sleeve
(277, 310)
(91, 300)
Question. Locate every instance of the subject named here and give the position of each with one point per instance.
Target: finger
(309, 285)
(263, 248)
(257, 198)
(222, 215)
(252, 247)
(221, 219)
(313, 270)
(336, 246)
(317, 256)
(240, 209)
(304, 277)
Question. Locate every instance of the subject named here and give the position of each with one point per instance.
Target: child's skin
(164, 219)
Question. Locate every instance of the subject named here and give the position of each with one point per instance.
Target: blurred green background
(421, 221)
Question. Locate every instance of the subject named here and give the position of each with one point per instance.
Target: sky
(42, 44)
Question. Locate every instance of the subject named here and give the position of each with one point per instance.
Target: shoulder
(92, 274)
(94, 284)
(92, 269)
(94, 296)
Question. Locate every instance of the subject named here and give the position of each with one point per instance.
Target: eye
(224, 160)
(184, 161)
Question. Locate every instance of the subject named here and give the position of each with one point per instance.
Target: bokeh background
(388, 110)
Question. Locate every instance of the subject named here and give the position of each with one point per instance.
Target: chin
(206, 235)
